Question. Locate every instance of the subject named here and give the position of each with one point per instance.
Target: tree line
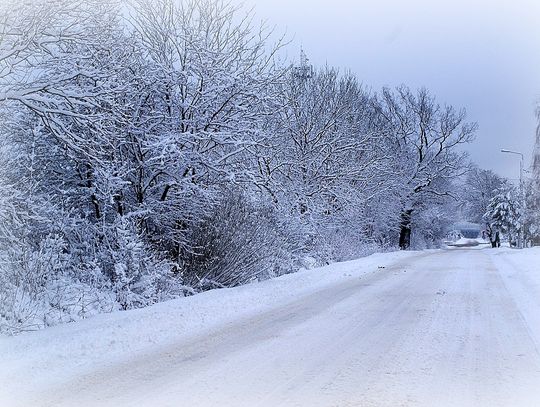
(155, 149)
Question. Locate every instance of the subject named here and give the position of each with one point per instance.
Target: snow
(69, 350)
(464, 242)
(457, 327)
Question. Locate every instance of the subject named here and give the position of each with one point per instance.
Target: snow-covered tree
(503, 214)
(425, 138)
(479, 187)
(532, 193)
(325, 164)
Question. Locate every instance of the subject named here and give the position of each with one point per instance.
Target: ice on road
(456, 327)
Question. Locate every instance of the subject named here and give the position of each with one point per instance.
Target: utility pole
(521, 239)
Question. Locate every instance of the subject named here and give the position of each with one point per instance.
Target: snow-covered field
(457, 327)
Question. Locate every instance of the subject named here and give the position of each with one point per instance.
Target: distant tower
(304, 70)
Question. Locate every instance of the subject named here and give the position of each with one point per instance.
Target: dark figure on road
(497, 240)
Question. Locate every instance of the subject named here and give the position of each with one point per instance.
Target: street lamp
(521, 234)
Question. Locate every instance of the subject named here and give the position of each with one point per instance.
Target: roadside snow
(449, 328)
(37, 360)
(520, 270)
(465, 242)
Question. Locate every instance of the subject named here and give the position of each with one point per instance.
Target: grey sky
(481, 55)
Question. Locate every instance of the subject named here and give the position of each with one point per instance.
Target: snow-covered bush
(138, 277)
(38, 288)
(432, 225)
(240, 241)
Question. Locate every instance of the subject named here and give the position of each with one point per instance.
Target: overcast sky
(480, 55)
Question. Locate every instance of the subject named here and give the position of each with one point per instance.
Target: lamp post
(522, 197)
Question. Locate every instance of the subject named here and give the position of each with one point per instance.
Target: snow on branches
(154, 149)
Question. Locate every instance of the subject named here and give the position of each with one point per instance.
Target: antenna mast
(303, 71)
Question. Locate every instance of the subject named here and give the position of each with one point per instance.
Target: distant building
(467, 230)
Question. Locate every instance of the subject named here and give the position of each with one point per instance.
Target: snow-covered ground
(458, 327)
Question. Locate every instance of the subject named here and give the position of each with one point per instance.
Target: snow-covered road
(454, 327)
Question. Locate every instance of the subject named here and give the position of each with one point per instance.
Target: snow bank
(520, 271)
(64, 351)
(465, 242)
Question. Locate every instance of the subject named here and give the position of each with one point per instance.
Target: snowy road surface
(456, 327)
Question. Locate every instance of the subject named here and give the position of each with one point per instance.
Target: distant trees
(486, 199)
(479, 188)
(157, 149)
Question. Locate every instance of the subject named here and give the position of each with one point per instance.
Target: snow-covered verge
(521, 273)
(64, 351)
(454, 327)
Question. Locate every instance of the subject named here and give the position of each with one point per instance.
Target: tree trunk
(405, 230)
